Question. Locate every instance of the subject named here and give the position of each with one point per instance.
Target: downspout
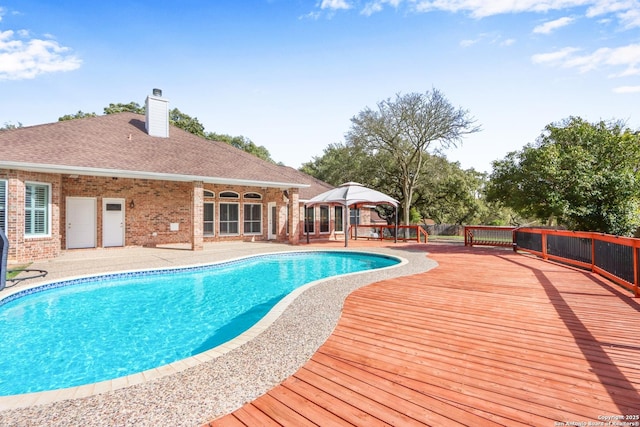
(306, 223)
(3, 261)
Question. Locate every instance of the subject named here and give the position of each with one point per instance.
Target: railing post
(543, 239)
(593, 255)
(636, 288)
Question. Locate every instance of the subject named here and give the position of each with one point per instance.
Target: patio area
(485, 337)
(488, 337)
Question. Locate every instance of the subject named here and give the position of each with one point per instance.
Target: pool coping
(51, 396)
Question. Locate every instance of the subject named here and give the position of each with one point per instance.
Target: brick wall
(24, 249)
(151, 208)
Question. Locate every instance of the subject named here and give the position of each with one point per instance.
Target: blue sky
(290, 74)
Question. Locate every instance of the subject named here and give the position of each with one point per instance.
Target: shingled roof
(118, 145)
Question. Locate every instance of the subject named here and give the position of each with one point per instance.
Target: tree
(242, 143)
(132, 107)
(184, 122)
(581, 175)
(79, 115)
(444, 192)
(9, 125)
(409, 129)
(447, 193)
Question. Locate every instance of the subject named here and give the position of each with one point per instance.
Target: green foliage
(448, 194)
(414, 216)
(405, 131)
(581, 175)
(185, 122)
(8, 126)
(242, 143)
(79, 115)
(132, 107)
(443, 192)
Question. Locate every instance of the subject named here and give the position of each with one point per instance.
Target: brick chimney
(157, 114)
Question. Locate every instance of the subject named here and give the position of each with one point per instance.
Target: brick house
(133, 180)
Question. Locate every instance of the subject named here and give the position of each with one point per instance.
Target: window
(229, 218)
(207, 194)
(339, 225)
(309, 219)
(229, 195)
(36, 209)
(252, 218)
(354, 216)
(3, 205)
(209, 214)
(254, 196)
(324, 219)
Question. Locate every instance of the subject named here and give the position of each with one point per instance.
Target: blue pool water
(94, 329)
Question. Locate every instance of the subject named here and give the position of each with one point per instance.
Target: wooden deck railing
(406, 233)
(477, 235)
(613, 257)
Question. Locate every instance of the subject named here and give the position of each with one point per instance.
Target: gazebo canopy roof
(352, 193)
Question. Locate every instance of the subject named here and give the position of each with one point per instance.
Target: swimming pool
(87, 330)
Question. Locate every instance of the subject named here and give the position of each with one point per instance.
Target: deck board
(489, 337)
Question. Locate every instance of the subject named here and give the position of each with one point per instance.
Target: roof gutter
(59, 169)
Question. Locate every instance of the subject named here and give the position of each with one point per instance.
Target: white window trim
(213, 233)
(208, 194)
(48, 234)
(244, 220)
(220, 233)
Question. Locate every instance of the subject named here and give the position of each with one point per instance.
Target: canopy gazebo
(353, 194)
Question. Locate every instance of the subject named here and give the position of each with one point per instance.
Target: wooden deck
(488, 337)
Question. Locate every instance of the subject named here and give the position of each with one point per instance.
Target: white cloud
(626, 11)
(553, 57)
(626, 57)
(334, 4)
(24, 58)
(482, 9)
(378, 5)
(493, 38)
(550, 26)
(627, 89)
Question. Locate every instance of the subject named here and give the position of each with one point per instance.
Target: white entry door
(112, 222)
(81, 222)
(272, 221)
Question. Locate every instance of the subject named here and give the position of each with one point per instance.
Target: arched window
(253, 196)
(229, 195)
(208, 194)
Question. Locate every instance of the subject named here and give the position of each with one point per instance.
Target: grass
(447, 238)
(16, 270)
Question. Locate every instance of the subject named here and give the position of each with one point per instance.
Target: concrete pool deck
(194, 391)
